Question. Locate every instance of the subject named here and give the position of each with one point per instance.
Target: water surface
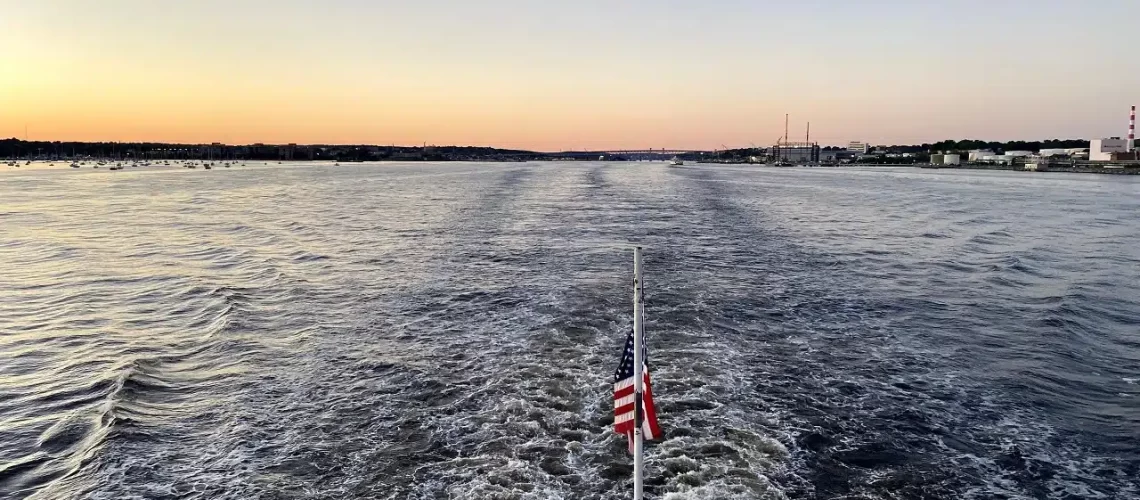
(423, 331)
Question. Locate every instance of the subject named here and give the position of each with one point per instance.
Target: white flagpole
(638, 373)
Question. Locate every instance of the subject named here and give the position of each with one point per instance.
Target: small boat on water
(74, 165)
(676, 162)
(208, 167)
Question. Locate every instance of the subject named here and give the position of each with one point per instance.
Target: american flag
(624, 404)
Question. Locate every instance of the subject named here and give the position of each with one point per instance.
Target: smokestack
(808, 139)
(786, 128)
(1132, 130)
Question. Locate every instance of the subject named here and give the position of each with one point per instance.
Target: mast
(638, 374)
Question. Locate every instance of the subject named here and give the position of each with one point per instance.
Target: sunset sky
(560, 75)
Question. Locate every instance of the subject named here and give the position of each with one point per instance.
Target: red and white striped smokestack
(1132, 129)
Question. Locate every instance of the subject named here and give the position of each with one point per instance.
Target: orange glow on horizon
(544, 77)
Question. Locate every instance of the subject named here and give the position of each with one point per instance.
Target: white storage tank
(951, 159)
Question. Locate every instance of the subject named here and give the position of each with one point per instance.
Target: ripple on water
(429, 331)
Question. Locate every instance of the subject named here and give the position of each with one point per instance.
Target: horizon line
(583, 150)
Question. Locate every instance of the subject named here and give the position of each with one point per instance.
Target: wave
(451, 331)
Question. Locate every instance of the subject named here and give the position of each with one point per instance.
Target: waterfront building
(978, 154)
(1102, 149)
(795, 152)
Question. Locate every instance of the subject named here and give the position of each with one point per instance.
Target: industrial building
(1115, 148)
(997, 159)
(858, 147)
(977, 155)
(1103, 149)
(837, 156)
(1073, 152)
(787, 152)
(795, 152)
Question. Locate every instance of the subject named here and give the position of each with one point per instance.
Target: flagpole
(638, 373)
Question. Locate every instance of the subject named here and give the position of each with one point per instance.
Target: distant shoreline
(1113, 169)
(1077, 169)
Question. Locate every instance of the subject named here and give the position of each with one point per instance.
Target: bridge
(631, 154)
(672, 152)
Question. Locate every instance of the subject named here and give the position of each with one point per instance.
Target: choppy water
(420, 331)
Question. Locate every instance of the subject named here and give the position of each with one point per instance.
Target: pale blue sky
(554, 75)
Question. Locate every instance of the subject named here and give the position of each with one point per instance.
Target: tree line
(16, 148)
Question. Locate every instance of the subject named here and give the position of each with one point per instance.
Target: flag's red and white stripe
(625, 409)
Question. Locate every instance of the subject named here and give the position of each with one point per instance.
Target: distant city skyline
(551, 77)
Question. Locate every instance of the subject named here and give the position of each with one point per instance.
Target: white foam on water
(412, 331)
